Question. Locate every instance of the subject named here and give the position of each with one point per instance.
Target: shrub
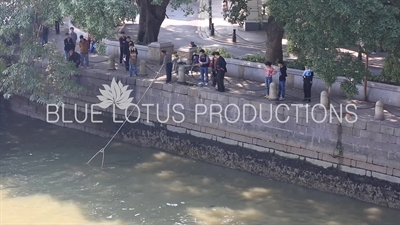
(254, 58)
(294, 64)
(222, 51)
(384, 78)
(391, 69)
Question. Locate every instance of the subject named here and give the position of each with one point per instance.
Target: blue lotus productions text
(212, 113)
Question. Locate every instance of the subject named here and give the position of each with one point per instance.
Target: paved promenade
(245, 88)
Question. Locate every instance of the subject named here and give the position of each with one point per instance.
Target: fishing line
(102, 150)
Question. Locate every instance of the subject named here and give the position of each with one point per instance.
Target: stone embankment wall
(360, 160)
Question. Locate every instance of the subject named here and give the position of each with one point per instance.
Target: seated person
(75, 57)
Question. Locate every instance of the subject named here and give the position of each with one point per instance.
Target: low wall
(303, 152)
(388, 94)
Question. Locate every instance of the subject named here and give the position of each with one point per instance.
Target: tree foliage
(40, 71)
(100, 17)
(392, 66)
(317, 29)
(238, 13)
(21, 50)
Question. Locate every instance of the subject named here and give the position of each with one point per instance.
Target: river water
(44, 181)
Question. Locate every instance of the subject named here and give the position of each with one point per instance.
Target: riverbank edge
(269, 162)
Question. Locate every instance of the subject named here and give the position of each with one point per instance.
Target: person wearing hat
(308, 75)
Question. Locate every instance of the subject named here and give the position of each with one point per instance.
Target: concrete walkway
(180, 30)
(247, 89)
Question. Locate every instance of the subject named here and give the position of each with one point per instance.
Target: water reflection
(44, 180)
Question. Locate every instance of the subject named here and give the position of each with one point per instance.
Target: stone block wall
(368, 147)
(359, 159)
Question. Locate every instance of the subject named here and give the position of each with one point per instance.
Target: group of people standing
(217, 64)
(80, 59)
(128, 54)
(308, 75)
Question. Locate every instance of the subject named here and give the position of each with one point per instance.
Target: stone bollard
(379, 111)
(142, 68)
(111, 62)
(324, 101)
(273, 92)
(181, 75)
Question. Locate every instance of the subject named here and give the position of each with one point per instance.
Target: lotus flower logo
(116, 94)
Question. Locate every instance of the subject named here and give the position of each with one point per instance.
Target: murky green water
(44, 180)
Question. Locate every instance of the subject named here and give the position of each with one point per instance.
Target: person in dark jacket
(45, 35)
(57, 26)
(167, 63)
(308, 75)
(122, 40)
(221, 70)
(68, 45)
(75, 58)
(126, 52)
(282, 80)
(214, 69)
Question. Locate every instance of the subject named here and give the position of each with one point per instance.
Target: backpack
(195, 59)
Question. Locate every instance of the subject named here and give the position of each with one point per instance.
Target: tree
(22, 52)
(20, 47)
(239, 12)
(392, 61)
(377, 26)
(99, 17)
(316, 30)
(392, 66)
(152, 15)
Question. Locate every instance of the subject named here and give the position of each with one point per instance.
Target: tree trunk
(155, 17)
(329, 96)
(142, 24)
(274, 50)
(366, 78)
(151, 18)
